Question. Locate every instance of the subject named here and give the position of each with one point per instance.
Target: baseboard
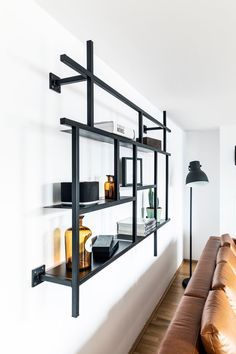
(154, 311)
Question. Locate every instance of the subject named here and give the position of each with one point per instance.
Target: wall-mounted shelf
(75, 278)
(61, 275)
(102, 204)
(106, 137)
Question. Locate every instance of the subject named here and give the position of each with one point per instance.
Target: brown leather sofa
(208, 284)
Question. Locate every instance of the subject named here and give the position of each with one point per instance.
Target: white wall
(203, 145)
(227, 180)
(114, 304)
(214, 205)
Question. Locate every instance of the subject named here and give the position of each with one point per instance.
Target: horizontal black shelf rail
(102, 204)
(146, 129)
(55, 83)
(60, 275)
(86, 73)
(99, 132)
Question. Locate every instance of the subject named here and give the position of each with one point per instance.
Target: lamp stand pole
(186, 280)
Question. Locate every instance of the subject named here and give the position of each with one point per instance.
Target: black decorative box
(104, 247)
(89, 192)
(152, 142)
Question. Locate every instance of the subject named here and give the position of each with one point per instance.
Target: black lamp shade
(196, 175)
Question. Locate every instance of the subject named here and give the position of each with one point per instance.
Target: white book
(139, 233)
(116, 128)
(140, 221)
(143, 226)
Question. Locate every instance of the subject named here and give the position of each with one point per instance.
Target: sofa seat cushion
(183, 333)
(225, 279)
(226, 240)
(218, 329)
(200, 282)
(226, 254)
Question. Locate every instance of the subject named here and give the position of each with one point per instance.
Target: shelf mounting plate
(54, 83)
(36, 275)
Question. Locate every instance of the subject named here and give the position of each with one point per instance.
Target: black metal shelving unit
(75, 278)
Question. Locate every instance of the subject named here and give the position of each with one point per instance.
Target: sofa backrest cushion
(218, 328)
(200, 283)
(225, 254)
(225, 279)
(226, 240)
(183, 333)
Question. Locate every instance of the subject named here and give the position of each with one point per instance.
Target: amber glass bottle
(109, 187)
(84, 255)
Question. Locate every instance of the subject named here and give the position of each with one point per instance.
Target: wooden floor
(152, 334)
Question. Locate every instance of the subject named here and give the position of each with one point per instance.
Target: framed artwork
(127, 171)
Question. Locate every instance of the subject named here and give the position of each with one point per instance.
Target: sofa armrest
(200, 283)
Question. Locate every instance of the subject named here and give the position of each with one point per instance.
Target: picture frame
(127, 171)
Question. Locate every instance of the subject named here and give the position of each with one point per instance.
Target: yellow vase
(84, 255)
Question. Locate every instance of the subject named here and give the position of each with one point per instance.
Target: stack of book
(144, 227)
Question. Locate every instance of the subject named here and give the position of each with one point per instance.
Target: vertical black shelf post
(117, 168)
(140, 126)
(167, 168)
(134, 211)
(164, 131)
(155, 198)
(75, 222)
(167, 186)
(90, 85)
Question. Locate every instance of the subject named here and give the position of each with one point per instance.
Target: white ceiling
(180, 54)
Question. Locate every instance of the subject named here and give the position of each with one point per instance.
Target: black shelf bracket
(36, 276)
(146, 129)
(55, 82)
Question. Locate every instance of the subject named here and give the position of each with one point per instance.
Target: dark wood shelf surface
(106, 137)
(102, 204)
(61, 275)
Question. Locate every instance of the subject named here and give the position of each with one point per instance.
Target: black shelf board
(106, 137)
(141, 238)
(102, 204)
(162, 223)
(61, 275)
(147, 186)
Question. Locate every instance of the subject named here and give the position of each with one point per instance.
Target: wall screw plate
(54, 83)
(36, 275)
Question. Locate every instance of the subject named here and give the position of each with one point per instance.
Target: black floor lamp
(195, 177)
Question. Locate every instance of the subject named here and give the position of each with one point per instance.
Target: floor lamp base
(185, 282)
